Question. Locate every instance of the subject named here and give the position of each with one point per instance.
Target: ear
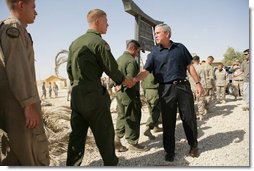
(96, 21)
(20, 4)
(168, 34)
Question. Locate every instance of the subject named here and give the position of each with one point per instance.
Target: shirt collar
(12, 17)
(172, 45)
(93, 31)
(127, 53)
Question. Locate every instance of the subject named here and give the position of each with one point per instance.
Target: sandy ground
(223, 138)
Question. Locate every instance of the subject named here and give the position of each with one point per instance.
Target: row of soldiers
(216, 82)
(44, 90)
(89, 57)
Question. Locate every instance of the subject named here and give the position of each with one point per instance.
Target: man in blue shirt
(168, 62)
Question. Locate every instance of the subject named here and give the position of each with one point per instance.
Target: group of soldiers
(216, 81)
(50, 88)
(26, 143)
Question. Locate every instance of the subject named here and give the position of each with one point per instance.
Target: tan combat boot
(157, 129)
(149, 134)
(118, 145)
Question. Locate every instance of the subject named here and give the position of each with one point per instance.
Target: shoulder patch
(107, 47)
(13, 32)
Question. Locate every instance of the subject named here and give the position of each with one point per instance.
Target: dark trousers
(90, 110)
(171, 96)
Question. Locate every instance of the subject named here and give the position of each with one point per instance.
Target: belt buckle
(174, 82)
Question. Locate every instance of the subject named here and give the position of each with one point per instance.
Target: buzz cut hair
(196, 58)
(210, 57)
(165, 27)
(94, 14)
(220, 64)
(12, 3)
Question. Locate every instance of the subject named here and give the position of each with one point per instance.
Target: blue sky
(205, 27)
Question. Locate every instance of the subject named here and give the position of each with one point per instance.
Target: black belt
(238, 80)
(177, 82)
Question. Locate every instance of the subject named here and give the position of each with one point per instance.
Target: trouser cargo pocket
(41, 149)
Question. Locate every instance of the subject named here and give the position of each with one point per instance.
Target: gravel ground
(223, 139)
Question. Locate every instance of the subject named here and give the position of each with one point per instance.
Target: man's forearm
(193, 73)
(141, 75)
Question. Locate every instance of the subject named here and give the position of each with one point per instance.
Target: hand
(129, 83)
(118, 88)
(199, 90)
(32, 116)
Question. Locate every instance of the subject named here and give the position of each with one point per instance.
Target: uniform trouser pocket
(40, 146)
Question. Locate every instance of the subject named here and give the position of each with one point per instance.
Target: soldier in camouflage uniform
(200, 100)
(90, 56)
(20, 109)
(209, 84)
(152, 96)
(237, 80)
(220, 80)
(245, 68)
(128, 101)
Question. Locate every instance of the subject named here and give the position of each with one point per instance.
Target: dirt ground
(223, 138)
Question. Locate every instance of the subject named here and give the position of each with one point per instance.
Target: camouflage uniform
(89, 57)
(245, 68)
(200, 101)
(237, 81)
(220, 77)
(209, 85)
(18, 89)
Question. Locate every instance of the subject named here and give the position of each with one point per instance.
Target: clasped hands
(130, 82)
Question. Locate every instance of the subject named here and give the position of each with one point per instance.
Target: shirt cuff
(29, 101)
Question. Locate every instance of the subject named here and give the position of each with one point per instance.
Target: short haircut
(133, 43)
(210, 57)
(220, 64)
(247, 50)
(94, 14)
(165, 27)
(196, 58)
(12, 3)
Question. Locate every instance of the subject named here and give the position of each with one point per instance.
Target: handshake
(130, 82)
